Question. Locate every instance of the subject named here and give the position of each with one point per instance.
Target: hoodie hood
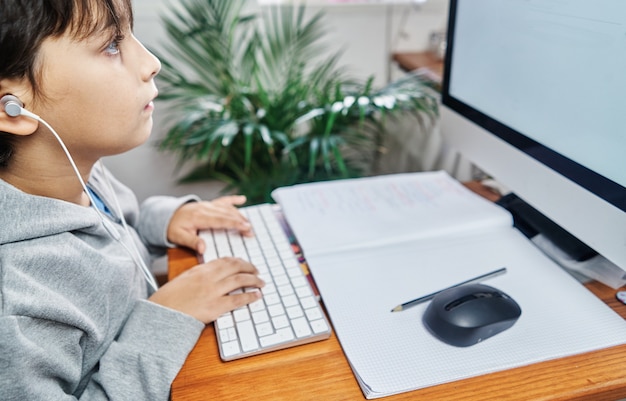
(24, 216)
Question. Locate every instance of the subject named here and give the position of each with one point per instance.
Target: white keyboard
(289, 313)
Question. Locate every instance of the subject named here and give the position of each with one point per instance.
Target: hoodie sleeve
(40, 359)
(150, 350)
(155, 215)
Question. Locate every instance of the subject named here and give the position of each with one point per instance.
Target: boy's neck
(40, 167)
(63, 185)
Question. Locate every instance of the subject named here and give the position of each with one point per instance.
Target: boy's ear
(20, 125)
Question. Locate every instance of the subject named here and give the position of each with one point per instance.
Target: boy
(77, 318)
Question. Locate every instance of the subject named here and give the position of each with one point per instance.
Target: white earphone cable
(118, 207)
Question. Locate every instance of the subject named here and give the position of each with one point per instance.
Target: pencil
(428, 297)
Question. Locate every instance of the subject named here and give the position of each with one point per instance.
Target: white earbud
(14, 107)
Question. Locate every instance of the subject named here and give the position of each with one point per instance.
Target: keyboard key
(256, 306)
(301, 327)
(290, 300)
(319, 326)
(281, 336)
(228, 334)
(281, 280)
(271, 299)
(294, 312)
(313, 313)
(260, 317)
(280, 321)
(308, 302)
(285, 291)
(303, 292)
(226, 321)
(230, 348)
(247, 336)
(241, 314)
(264, 329)
(276, 310)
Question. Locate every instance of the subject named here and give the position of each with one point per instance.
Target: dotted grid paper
(392, 352)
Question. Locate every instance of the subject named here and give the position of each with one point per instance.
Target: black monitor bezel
(601, 186)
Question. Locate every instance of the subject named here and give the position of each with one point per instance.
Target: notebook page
(375, 211)
(393, 352)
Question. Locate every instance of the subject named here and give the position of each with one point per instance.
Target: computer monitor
(534, 94)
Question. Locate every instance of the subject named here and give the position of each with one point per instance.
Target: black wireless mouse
(467, 314)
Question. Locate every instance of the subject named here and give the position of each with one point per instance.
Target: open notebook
(373, 243)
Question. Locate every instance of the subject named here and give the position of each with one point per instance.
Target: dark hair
(24, 24)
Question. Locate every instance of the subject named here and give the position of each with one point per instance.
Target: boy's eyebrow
(117, 23)
(106, 20)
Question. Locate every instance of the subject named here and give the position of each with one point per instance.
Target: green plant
(255, 106)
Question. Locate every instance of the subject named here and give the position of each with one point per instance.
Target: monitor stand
(531, 222)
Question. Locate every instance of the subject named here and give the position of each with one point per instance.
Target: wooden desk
(320, 371)
(409, 61)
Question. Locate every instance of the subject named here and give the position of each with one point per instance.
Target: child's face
(98, 92)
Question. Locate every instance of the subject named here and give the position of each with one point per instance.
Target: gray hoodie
(74, 319)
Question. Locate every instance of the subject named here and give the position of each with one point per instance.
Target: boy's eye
(113, 48)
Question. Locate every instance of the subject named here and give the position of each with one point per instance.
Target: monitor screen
(533, 94)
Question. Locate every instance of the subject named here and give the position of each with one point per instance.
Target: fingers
(227, 267)
(236, 282)
(190, 239)
(237, 200)
(191, 217)
(222, 213)
(208, 290)
(237, 300)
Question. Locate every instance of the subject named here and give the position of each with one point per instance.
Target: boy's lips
(150, 105)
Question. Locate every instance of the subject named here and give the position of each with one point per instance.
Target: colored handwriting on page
(374, 195)
(383, 209)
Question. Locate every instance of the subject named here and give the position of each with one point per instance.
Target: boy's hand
(203, 291)
(219, 213)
